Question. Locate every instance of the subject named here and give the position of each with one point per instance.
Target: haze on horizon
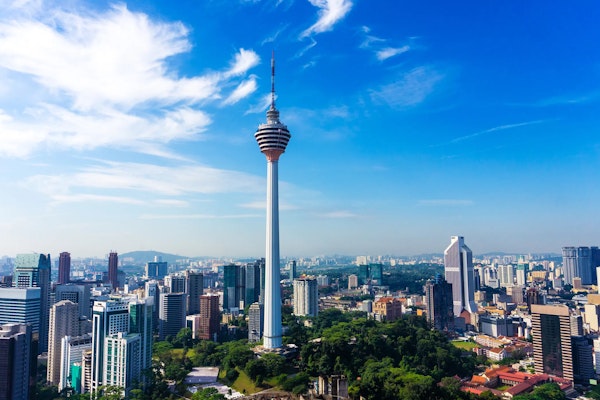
(129, 126)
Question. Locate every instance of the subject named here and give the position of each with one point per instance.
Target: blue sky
(129, 126)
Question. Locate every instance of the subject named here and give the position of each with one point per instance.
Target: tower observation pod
(272, 139)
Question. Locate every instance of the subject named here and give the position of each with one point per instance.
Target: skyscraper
(72, 350)
(64, 318)
(306, 297)
(209, 317)
(256, 316)
(113, 264)
(79, 294)
(16, 357)
(64, 268)
(580, 262)
(140, 322)
(194, 288)
(21, 306)
(458, 264)
(272, 139)
(33, 270)
(551, 331)
(252, 287)
(438, 295)
(172, 314)
(234, 282)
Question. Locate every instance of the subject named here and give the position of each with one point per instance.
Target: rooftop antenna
(273, 80)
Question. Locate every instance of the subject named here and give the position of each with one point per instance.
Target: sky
(129, 125)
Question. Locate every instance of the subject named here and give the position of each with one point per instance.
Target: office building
(363, 274)
(252, 282)
(256, 316)
(151, 289)
(210, 317)
(522, 271)
(64, 321)
(140, 322)
(175, 283)
(33, 270)
(172, 314)
(109, 318)
(272, 139)
(438, 296)
(17, 362)
(21, 306)
(194, 289)
(78, 294)
(292, 274)
(458, 265)
(122, 360)
(495, 325)
(583, 362)
(506, 275)
(72, 350)
(552, 349)
(156, 269)
(352, 282)
(64, 268)
(516, 294)
(306, 297)
(113, 270)
(233, 287)
(580, 262)
(376, 274)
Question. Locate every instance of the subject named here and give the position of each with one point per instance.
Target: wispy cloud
(445, 202)
(198, 216)
(410, 89)
(330, 12)
(103, 79)
(243, 90)
(272, 38)
(571, 99)
(389, 52)
(135, 178)
(495, 129)
(303, 50)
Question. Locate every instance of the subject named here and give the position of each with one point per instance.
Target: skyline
(129, 126)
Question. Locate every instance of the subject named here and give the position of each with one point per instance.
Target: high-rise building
(438, 296)
(580, 262)
(256, 316)
(376, 274)
(293, 274)
(583, 362)
(79, 294)
(33, 270)
(109, 318)
(64, 268)
(233, 286)
(156, 269)
(72, 350)
(306, 297)
(506, 275)
(458, 264)
(140, 322)
(363, 274)
(172, 314)
(175, 283)
(352, 282)
(113, 271)
(151, 289)
(194, 289)
(516, 294)
(64, 321)
(252, 282)
(272, 139)
(21, 306)
(522, 270)
(210, 317)
(122, 355)
(17, 362)
(551, 331)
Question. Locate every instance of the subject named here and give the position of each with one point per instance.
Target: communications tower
(272, 139)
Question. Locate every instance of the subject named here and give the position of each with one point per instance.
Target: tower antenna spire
(273, 80)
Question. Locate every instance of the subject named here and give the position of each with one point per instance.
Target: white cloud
(330, 12)
(496, 128)
(103, 79)
(262, 205)
(243, 90)
(145, 178)
(388, 52)
(198, 216)
(410, 89)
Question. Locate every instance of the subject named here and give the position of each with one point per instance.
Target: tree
(208, 394)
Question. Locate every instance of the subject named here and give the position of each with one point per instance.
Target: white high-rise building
(109, 318)
(506, 275)
(122, 365)
(306, 297)
(64, 321)
(72, 349)
(272, 139)
(458, 265)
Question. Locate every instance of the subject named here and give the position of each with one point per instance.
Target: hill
(142, 257)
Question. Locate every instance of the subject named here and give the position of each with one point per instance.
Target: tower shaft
(272, 329)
